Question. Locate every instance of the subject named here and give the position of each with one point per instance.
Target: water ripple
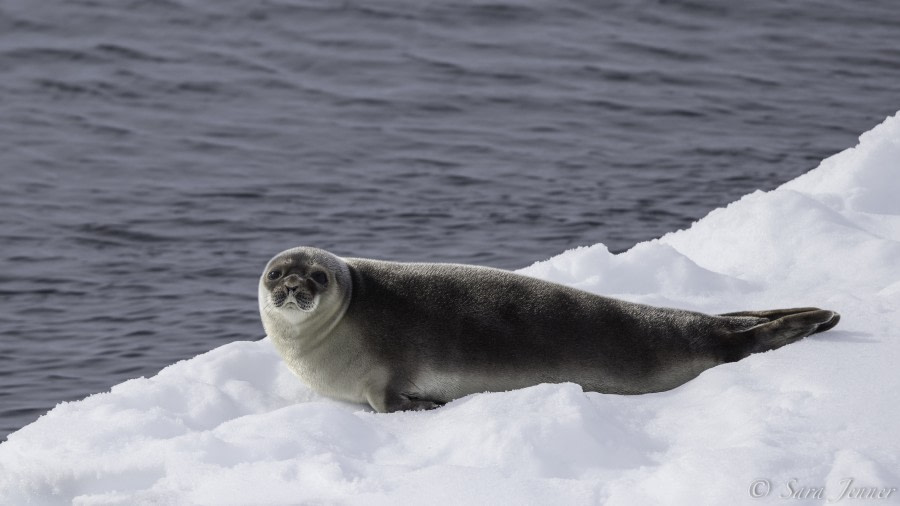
(157, 153)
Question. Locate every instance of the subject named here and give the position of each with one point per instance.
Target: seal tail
(778, 328)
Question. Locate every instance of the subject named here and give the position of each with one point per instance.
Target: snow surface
(233, 426)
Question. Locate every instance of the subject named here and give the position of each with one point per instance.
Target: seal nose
(292, 282)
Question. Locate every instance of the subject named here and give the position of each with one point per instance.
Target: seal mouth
(297, 300)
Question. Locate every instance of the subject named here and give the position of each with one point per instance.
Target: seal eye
(319, 277)
(273, 275)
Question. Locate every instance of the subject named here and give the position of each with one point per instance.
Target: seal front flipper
(389, 400)
(778, 332)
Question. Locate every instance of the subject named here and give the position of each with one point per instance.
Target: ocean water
(155, 154)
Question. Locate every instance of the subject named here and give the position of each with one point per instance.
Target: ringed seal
(402, 336)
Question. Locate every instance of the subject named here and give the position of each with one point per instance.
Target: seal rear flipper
(775, 314)
(772, 314)
(780, 331)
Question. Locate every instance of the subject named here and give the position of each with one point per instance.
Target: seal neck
(322, 322)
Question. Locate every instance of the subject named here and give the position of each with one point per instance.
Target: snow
(233, 426)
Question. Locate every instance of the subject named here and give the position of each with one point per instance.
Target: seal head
(303, 293)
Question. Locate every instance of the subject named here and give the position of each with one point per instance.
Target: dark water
(154, 154)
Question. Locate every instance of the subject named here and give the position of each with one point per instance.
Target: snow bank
(233, 426)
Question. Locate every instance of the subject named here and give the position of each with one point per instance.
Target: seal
(409, 336)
